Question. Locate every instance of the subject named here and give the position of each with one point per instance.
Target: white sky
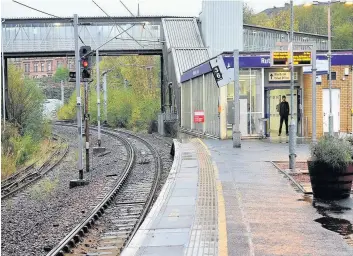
(114, 7)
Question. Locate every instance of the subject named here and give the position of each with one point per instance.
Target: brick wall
(345, 87)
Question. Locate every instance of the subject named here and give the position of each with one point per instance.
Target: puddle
(340, 226)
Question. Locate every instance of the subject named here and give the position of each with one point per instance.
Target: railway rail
(30, 174)
(127, 203)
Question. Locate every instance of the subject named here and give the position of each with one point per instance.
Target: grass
(43, 189)
(44, 151)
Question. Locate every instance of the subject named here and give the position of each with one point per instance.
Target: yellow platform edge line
(204, 145)
(222, 222)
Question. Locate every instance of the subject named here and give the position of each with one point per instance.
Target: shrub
(8, 165)
(334, 152)
(24, 147)
(120, 107)
(68, 111)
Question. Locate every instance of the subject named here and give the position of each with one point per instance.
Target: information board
(282, 58)
(302, 58)
(281, 76)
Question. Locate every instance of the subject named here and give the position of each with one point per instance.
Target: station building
(261, 90)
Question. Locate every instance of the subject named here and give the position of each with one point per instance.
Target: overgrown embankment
(133, 87)
(25, 138)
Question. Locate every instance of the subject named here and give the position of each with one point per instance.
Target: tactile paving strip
(204, 232)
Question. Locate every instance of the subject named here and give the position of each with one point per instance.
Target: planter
(328, 183)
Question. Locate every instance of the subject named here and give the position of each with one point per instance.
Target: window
(333, 76)
(27, 67)
(42, 67)
(35, 67)
(49, 66)
(59, 64)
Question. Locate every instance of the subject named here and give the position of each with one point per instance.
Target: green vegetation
(61, 74)
(334, 152)
(133, 107)
(26, 129)
(43, 189)
(311, 19)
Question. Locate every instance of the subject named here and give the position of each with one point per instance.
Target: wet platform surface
(223, 201)
(266, 216)
(183, 220)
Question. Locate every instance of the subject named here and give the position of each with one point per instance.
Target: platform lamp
(329, 54)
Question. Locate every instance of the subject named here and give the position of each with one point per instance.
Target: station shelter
(207, 108)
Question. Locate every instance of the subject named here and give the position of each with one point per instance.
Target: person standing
(284, 113)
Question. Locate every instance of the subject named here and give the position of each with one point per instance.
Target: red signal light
(85, 64)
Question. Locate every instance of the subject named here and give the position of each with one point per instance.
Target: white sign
(221, 73)
(318, 79)
(281, 76)
(321, 66)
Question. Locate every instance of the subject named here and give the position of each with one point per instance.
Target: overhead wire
(49, 14)
(117, 25)
(30, 7)
(93, 51)
(135, 16)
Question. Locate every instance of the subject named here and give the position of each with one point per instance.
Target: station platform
(219, 200)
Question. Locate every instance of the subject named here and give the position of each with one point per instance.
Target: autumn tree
(61, 74)
(311, 19)
(25, 105)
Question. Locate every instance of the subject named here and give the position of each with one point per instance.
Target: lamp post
(292, 125)
(329, 54)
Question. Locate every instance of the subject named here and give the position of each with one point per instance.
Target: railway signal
(86, 61)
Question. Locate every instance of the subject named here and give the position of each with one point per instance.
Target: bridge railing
(51, 37)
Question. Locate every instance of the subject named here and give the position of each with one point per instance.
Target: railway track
(30, 174)
(125, 205)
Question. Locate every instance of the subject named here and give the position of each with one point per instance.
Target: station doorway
(273, 98)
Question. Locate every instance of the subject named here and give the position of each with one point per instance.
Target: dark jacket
(284, 109)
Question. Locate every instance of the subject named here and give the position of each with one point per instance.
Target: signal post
(80, 181)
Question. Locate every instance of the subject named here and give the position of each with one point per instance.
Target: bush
(22, 135)
(334, 152)
(120, 107)
(24, 147)
(68, 110)
(8, 165)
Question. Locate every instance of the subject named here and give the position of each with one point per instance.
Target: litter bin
(263, 126)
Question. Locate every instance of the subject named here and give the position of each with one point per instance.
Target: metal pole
(313, 106)
(329, 55)
(3, 82)
(86, 126)
(98, 99)
(292, 126)
(78, 100)
(236, 131)
(62, 92)
(105, 97)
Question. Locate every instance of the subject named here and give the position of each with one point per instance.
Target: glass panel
(251, 98)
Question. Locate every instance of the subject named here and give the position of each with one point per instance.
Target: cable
(116, 37)
(52, 15)
(149, 31)
(117, 25)
(81, 40)
(127, 8)
(37, 9)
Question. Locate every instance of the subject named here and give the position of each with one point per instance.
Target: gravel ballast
(36, 219)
